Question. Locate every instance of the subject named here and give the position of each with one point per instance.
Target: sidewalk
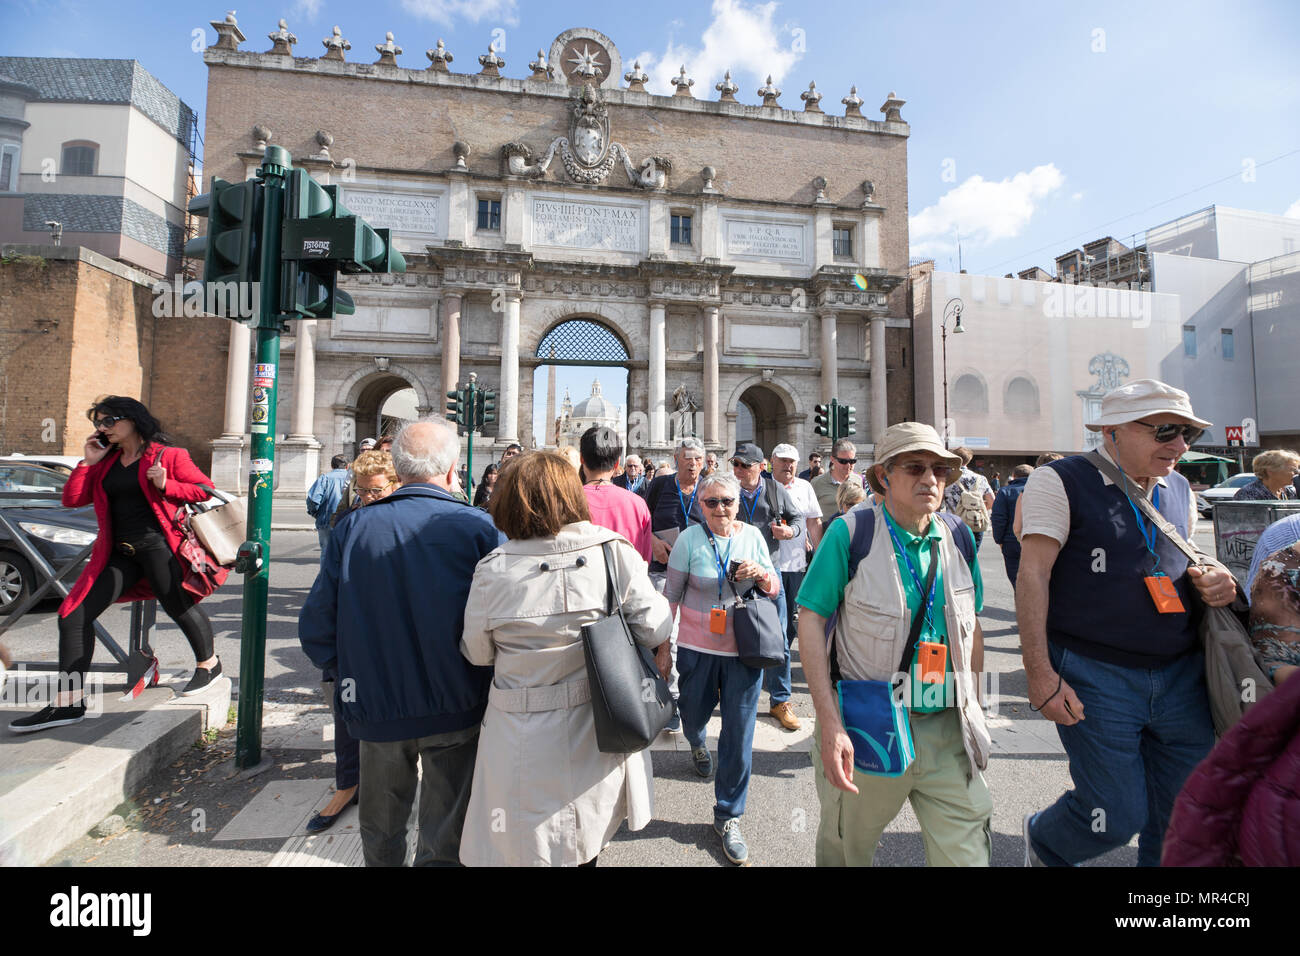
(57, 784)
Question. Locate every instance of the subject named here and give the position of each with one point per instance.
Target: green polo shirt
(828, 575)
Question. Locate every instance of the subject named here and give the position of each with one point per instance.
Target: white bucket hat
(904, 437)
(1143, 398)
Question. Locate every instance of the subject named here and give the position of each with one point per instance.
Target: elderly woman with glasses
(709, 566)
(1274, 471)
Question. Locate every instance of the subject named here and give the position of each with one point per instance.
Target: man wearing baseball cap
(1109, 646)
(916, 591)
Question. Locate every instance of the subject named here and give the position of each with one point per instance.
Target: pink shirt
(621, 511)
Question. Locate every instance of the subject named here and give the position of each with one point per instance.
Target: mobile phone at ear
(100, 440)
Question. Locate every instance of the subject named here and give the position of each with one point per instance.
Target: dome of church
(596, 406)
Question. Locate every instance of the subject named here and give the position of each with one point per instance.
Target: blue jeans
(704, 679)
(324, 535)
(1143, 732)
(776, 680)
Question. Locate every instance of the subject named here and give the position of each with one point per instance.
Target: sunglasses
(374, 492)
(715, 502)
(108, 421)
(1167, 433)
(737, 463)
(915, 469)
(846, 461)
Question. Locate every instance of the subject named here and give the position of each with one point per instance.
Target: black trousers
(153, 560)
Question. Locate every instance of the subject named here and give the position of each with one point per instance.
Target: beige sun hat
(1142, 398)
(905, 437)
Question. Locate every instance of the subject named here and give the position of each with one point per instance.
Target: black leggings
(154, 560)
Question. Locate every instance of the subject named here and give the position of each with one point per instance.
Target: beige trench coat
(543, 794)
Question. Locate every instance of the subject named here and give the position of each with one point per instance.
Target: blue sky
(1034, 127)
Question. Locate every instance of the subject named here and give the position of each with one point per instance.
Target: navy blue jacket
(1003, 516)
(386, 613)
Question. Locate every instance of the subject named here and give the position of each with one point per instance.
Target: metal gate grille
(581, 342)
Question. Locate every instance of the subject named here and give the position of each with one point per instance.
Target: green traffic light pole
(255, 554)
(471, 396)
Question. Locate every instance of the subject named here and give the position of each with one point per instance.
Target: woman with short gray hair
(1274, 471)
(708, 565)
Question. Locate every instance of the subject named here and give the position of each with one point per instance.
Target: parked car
(1223, 491)
(64, 464)
(30, 499)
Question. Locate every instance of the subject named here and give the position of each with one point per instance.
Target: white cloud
(982, 211)
(740, 38)
(308, 9)
(1075, 197)
(1294, 210)
(446, 11)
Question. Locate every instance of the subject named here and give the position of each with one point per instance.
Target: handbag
(760, 638)
(220, 527)
(1234, 677)
(630, 701)
(872, 711)
(200, 572)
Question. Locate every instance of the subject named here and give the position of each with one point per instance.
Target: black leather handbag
(630, 701)
(760, 634)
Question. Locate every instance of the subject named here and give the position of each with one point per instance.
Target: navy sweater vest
(1098, 603)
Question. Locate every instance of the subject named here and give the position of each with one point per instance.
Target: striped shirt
(697, 583)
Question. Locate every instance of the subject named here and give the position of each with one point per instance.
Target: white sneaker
(1031, 858)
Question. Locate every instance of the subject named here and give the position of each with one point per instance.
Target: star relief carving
(587, 63)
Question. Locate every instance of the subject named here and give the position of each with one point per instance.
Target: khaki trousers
(954, 812)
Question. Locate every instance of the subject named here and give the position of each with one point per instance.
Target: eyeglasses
(108, 421)
(374, 492)
(737, 463)
(846, 461)
(1167, 433)
(915, 469)
(715, 502)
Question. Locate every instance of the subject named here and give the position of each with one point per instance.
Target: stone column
(711, 436)
(508, 400)
(658, 359)
(879, 383)
(450, 341)
(830, 357)
(304, 381)
(229, 472)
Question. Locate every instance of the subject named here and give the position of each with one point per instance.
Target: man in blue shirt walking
(323, 498)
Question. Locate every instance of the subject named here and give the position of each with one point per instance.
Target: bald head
(426, 451)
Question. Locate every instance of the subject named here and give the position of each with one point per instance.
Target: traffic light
(230, 250)
(486, 400)
(458, 408)
(824, 419)
(847, 420)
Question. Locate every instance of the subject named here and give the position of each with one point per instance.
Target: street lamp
(954, 309)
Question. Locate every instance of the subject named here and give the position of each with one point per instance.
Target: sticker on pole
(263, 376)
(259, 430)
(260, 396)
(261, 465)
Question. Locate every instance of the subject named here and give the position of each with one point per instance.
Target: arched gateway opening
(581, 380)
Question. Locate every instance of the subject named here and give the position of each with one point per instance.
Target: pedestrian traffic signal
(487, 404)
(824, 420)
(230, 250)
(847, 419)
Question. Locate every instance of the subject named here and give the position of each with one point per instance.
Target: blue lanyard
(749, 509)
(920, 586)
(723, 562)
(1148, 534)
(686, 509)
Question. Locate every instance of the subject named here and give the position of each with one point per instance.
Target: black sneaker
(202, 679)
(49, 717)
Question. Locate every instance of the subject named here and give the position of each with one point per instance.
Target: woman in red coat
(136, 482)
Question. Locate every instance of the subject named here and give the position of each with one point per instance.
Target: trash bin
(1238, 525)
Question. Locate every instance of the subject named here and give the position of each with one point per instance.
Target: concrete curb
(60, 804)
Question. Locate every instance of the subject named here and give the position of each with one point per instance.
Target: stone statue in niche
(683, 416)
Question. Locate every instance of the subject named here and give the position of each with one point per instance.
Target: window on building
(681, 230)
(843, 242)
(969, 395)
(79, 159)
(1189, 341)
(1022, 398)
(9, 169)
(489, 215)
(1225, 343)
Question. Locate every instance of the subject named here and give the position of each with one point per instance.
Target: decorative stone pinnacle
(636, 80)
(335, 45)
(682, 82)
(324, 140)
(282, 40)
(460, 151)
(541, 69)
(708, 174)
(819, 184)
(439, 57)
(811, 98)
(727, 88)
(852, 102)
(261, 136)
(869, 191)
(769, 93)
(490, 62)
(891, 108)
(229, 36)
(388, 51)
